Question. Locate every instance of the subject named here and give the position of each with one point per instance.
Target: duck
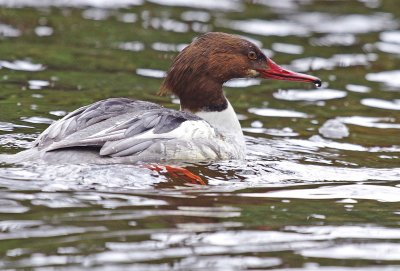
(206, 128)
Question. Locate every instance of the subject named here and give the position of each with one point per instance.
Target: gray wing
(89, 115)
(113, 126)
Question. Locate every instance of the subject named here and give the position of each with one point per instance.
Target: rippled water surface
(320, 187)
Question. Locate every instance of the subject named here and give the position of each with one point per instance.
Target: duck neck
(201, 94)
(224, 119)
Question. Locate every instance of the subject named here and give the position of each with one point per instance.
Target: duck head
(198, 72)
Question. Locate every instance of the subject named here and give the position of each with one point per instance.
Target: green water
(303, 199)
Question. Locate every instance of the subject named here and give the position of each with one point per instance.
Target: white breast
(223, 132)
(198, 140)
(225, 121)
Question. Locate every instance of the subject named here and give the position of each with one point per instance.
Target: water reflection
(37, 120)
(9, 31)
(334, 40)
(381, 123)
(96, 14)
(268, 28)
(388, 47)
(354, 23)
(389, 78)
(382, 104)
(38, 84)
(150, 73)
(284, 4)
(339, 60)
(43, 31)
(285, 132)
(199, 16)
(127, 17)
(225, 5)
(355, 191)
(242, 83)
(8, 127)
(21, 65)
(271, 112)
(348, 231)
(287, 48)
(334, 128)
(70, 3)
(11, 207)
(358, 88)
(376, 251)
(390, 36)
(309, 95)
(134, 46)
(168, 25)
(168, 47)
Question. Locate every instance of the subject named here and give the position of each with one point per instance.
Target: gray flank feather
(115, 148)
(135, 149)
(113, 126)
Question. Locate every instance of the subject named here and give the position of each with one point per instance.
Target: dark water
(319, 190)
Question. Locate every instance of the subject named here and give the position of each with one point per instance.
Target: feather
(118, 127)
(115, 147)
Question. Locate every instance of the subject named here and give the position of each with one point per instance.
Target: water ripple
(37, 120)
(150, 73)
(168, 25)
(9, 31)
(285, 132)
(12, 207)
(287, 48)
(204, 4)
(373, 122)
(344, 231)
(127, 17)
(134, 46)
(168, 47)
(345, 39)
(271, 112)
(8, 127)
(21, 65)
(352, 191)
(242, 83)
(358, 88)
(382, 104)
(13, 225)
(390, 36)
(386, 77)
(44, 31)
(388, 47)
(334, 128)
(199, 16)
(70, 3)
(353, 23)
(38, 84)
(375, 251)
(338, 60)
(267, 28)
(96, 14)
(309, 95)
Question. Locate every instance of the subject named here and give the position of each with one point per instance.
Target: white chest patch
(225, 121)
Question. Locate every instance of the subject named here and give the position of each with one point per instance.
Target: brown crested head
(198, 72)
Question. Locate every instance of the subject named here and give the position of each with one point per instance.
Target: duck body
(121, 130)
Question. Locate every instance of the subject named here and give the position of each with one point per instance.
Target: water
(320, 187)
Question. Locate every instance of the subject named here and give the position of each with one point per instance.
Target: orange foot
(178, 172)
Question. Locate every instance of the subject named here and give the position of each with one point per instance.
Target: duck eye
(252, 55)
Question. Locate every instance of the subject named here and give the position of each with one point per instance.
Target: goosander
(122, 130)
